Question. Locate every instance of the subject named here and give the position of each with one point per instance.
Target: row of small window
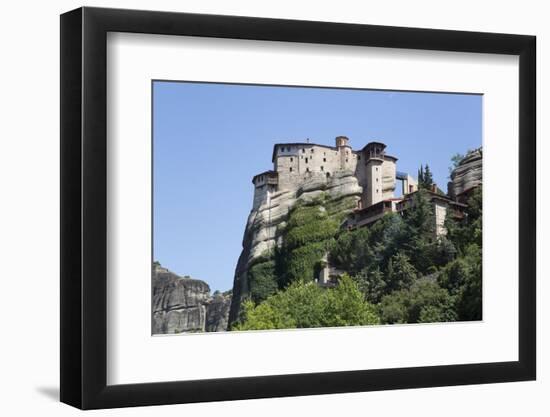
(307, 159)
(288, 149)
(307, 169)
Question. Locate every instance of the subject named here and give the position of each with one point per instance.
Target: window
(306, 159)
(324, 159)
(303, 150)
(358, 157)
(346, 159)
(377, 168)
(291, 159)
(376, 179)
(322, 168)
(290, 169)
(312, 150)
(307, 169)
(328, 174)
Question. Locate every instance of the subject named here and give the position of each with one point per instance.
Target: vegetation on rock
(396, 271)
(307, 237)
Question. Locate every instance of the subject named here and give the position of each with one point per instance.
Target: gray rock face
(468, 174)
(182, 304)
(217, 313)
(264, 222)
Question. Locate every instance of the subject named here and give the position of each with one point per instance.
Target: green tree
(420, 245)
(425, 177)
(387, 237)
(462, 278)
(428, 178)
(352, 251)
(462, 233)
(263, 316)
(444, 252)
(346, 306)
(262, 280)
(419, 219)
(372, 284)
(305, 305)
(424, 302)
(400, 274)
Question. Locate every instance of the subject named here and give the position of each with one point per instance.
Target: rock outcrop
(182, 304)
(468, 174)
(265, 223)
(217, 313)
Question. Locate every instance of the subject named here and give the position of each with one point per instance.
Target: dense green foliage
(305, 304)
(423, 302)
(396, 270)
(307, 237)
(468, 231)
(263, 282)
(410, 275)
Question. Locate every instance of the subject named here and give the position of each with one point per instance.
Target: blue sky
(211, 139)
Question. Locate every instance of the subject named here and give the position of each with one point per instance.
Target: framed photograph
(259, 208)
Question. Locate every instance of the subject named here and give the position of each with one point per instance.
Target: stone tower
(373, 155)
(344, 152)
(265, 184)
(341, 141)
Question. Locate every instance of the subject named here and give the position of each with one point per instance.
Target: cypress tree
(428, 177)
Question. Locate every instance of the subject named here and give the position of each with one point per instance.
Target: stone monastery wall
(294, 164)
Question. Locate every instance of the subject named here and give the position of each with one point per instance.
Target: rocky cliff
(182, 304)
(468, 174)
(217, 313)
(266, 224)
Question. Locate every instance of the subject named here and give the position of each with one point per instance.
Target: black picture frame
(84, 207)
